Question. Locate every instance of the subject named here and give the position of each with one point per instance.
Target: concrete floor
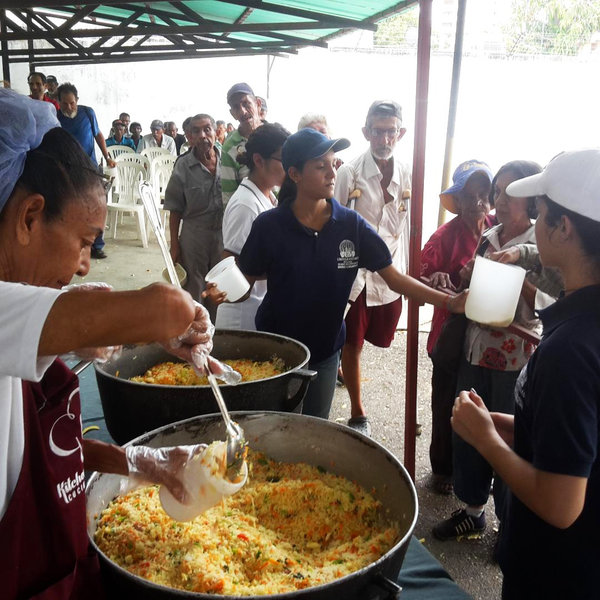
(130, 266)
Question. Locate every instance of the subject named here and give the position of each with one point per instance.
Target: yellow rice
(172, 373)
(292, 526)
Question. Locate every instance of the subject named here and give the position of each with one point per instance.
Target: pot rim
(361, 573)
(99, 367)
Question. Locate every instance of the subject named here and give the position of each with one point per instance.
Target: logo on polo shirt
(347, 258)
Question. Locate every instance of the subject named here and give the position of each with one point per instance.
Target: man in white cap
(244, 108)
(377, 186)
(157, 138)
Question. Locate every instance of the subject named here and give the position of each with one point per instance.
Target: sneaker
(360, 424)
(458, 525)
(98, 253)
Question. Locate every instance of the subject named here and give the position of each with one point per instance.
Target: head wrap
(23, 124)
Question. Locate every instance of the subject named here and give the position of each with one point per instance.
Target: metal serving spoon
(236, 442)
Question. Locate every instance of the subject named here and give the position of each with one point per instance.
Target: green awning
(47, 32)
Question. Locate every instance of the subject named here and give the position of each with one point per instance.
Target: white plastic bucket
(204, 483)
(229, 279)
(494, 292)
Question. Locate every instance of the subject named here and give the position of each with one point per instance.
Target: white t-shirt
(23, 312)
(244, 206)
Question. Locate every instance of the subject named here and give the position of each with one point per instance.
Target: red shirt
(447, 251)
(47, 98)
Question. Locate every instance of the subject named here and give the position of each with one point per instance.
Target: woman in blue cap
(52, 207)
(309, 250)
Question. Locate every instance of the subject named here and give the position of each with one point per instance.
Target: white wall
(507, 109)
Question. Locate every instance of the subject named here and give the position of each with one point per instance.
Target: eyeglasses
(276, 158)
(389, 133)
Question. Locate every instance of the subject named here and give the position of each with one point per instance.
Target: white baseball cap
(571, 179)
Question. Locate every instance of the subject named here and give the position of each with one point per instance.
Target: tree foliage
(551, 26)
(393, 30)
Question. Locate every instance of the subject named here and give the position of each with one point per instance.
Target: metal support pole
(456, 65)
(270, 62)
(416, 224)
(4, 50)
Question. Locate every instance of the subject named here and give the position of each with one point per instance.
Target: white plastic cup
(229, 279)
(203, 483)
(494, 292)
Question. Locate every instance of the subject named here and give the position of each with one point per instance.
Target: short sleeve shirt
(557, 429)
(310, 274)
(23, 312)
(232, 172)
(195, 193)
(84, 128)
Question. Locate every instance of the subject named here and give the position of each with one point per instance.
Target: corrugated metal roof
(48, 32)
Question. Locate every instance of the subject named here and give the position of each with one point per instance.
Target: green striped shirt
(232, 172)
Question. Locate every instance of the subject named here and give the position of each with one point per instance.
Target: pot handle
(81, 366)
(305, 376)
(387, 585)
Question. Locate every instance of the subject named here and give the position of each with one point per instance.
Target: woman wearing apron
(52, 206)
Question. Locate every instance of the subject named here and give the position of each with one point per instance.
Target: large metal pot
(131, 409)
(290, 438)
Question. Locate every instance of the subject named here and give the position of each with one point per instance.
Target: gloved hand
(100, 354)
(164, 466)
(195, 346)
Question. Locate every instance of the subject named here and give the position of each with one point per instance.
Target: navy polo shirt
(309, 273)
(557, 429)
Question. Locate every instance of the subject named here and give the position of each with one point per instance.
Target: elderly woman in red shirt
(443, 257)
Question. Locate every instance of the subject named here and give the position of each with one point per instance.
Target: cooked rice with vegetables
(291, 527)
(172, 373)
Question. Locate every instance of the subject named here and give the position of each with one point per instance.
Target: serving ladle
(236, 442)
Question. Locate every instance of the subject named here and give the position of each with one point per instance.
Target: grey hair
(309, 118)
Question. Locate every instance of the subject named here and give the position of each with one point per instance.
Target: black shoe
(360, 424)
(459, 525)
(98, 253)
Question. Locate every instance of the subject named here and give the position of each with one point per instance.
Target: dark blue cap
(307, 144)
(239, 88)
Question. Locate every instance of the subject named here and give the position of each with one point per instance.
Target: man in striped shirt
(244, 108)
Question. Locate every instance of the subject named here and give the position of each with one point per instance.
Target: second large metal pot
(287, 438)
(131, 408)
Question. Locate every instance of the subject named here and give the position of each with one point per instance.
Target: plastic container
(181, 274)
(203, 480)
(229, 279)
(494, 292)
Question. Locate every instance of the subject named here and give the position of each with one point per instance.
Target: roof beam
(78, 16)
(337, 22)
(209, 27)
(70, 60)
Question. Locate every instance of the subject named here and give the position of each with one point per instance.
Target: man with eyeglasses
(377, 186)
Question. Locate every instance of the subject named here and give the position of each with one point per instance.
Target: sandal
(441, 484)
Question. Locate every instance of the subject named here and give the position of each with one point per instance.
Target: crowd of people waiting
(326, 259)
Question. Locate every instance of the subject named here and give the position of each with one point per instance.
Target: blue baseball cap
(461, 175)
(307, 144)
(239, 88)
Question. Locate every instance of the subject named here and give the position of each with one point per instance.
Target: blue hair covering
(23, 124)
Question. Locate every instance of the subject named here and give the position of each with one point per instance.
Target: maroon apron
(44, 548)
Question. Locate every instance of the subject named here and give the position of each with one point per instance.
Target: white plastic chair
(115, 151)
(138, 159)
(126, 197)
(161, 169)
(155, 151)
